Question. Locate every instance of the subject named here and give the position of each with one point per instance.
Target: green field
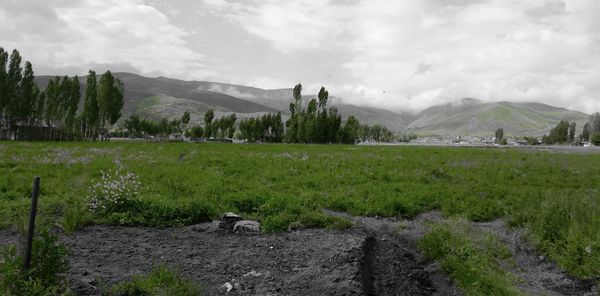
(555, 195)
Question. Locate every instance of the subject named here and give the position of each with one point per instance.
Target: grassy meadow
(554, 195)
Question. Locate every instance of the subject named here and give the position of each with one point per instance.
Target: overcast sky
(407, 54)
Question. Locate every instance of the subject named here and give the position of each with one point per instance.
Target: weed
(47, 275)
(470, 258)
(161, 281)
(115, 192)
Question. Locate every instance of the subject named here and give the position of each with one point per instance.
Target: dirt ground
(377, 257)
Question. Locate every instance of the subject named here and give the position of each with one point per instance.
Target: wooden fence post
(34, 199)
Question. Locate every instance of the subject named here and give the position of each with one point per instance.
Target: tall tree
(585, 134)
(52, 102)
(13, 81)
(110, 100)
(209, 115)
(72, 95)
(185, 119)
(323, 96)
(39, 106)
(3, 84)
(572, 127)
(28, 97)
(90, 106)
(499, 135)
(595, 123)
(350, 130)
(297, 93)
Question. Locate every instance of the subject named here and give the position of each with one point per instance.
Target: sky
(398, 55)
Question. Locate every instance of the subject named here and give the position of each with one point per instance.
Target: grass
(47, 273)
(555, 195)
(471, 257)
(161, 281)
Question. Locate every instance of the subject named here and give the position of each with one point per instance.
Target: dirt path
(540, 276)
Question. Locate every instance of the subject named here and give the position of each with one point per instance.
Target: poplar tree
(72, 96)
(13, 85)
(25, 102)
(572, 126)
(90, 106)
(3, 84)
(110, 100)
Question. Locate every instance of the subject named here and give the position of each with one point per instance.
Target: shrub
(47, 275)
(595, 139)
(115, 192)
(161, 281)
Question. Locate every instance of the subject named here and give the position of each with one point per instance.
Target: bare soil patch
(377, 257)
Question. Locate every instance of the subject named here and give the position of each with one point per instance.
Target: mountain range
(166, 97)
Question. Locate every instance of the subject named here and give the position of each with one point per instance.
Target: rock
(253, 274)
(228, 220)
(246, 226)
(226, 287)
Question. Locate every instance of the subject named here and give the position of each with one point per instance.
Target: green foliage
(91, 111)
(470, 257)
(572, 127)
(47, 275)
(185, 118)
(595, 139)
(266, 129)
(566, 228)
(503, 141)
(595, 123)
(110, 100)
(499, 135)
(3, 84)
(559, 134)
(197, 132)
(115, 192)
(137, 127)
(52, 114)
(161, 281)
(75, 217)
(585, 134)
(532, 141)
(286, 186)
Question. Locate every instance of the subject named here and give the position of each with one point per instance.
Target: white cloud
(406, 54)
(99, 32)
(439, 51)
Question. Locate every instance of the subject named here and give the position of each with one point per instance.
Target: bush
(115, 192)
(595, 139)
(47, 275)
(161, 281)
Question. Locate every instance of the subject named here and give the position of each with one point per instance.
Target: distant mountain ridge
(167, 97)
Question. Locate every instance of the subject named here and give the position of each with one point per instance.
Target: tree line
(591, 130)
(28, 113)
(313, 123)
(565, 133)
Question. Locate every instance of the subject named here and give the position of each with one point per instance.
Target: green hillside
(473, 117)
(165, 97)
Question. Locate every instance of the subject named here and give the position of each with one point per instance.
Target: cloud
(79, 34)
(405, 55)
(411, 54)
